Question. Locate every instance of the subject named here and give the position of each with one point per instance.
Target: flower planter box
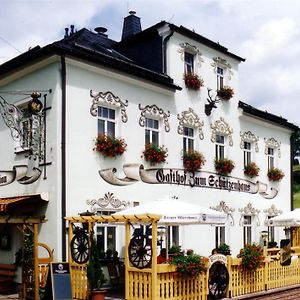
(225, 93)
(193, 81)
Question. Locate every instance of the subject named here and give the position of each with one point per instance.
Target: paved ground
(287, 293)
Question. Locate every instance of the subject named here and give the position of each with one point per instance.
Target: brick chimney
(131, 25)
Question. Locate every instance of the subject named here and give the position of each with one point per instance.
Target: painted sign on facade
(202, 179)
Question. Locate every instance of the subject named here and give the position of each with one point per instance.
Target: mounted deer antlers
(211, 102)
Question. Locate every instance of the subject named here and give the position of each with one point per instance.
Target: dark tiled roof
(92, 47)
(182, 30)
(264, 115)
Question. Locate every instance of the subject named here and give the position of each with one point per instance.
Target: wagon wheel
(80, 246)
(218, 281)
(140, 252)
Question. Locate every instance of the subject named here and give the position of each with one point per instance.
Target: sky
(264, 32)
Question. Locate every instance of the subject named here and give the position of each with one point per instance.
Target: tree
(296, 146)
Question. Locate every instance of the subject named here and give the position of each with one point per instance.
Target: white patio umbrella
(176, 212)
(290, 218)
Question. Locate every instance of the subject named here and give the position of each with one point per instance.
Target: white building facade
(125, 93)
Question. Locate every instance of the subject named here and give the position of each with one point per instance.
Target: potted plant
(110, 146)
(252, 257)
(224, 249)
(175, 250)
(189, 265)
(275, 174)
(95, 274)
(251, 170)
(193, 160)
(155, 154)
(193, 81)
(225, 93)
(224, 166)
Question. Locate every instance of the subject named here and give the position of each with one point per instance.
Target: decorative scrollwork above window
(111, 99)
(191, 119)
(156, 112)
(222, 207)
(249, 137)
(271, 212)
(272, 143)
(249, 210)
(109, 201)
(186, 47)
(223, 63)
(221, 127)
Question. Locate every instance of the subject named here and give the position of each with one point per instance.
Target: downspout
(291, 171)
(165, 38)
(63, 156)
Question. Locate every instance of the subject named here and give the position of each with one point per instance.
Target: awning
(8, 203)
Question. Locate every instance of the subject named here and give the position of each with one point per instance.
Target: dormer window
(188, 63)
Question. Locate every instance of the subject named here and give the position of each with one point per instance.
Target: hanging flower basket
(251, 170)
(193, 161)
(225, 93)
(275, 174)
(193, 81)
(189, 265)
(252, 257)
(110, 146)
(224, 166)
(155, 154)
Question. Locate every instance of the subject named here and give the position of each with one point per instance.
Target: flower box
(189, 265)
(225, 93)
(252, 257)
(193, 81)
(251, 170)
(110, 146)
(193, 161)
(224, 166)
(275, 174)
(155, 154)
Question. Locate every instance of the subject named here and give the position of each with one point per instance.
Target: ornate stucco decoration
(249, 137)
(223, 63)
(222, 207)
(191, 119)
(221, 127)
(156, 112)
(272, 211)
(249, 210)
(186, 47)
(109, 201)
(271, 142)
(111, 99)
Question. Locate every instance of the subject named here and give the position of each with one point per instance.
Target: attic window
(189, 51)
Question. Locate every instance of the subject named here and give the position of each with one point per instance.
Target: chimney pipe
(131, 25)
(101, 31)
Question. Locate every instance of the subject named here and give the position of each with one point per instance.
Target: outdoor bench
(7, 274)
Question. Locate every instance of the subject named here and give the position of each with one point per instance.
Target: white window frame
(189, 66)
(220, 235)
(247, 153)
(220, 146)
(188, 137)
(247, 229)
(152, 131)
(106, 120)
(173, 236)
(271, 157)
(220, 77)
(271, 231)
(105, 226)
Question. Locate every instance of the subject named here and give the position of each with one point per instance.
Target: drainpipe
(291, 171)
(165, 36)
(63, 156)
